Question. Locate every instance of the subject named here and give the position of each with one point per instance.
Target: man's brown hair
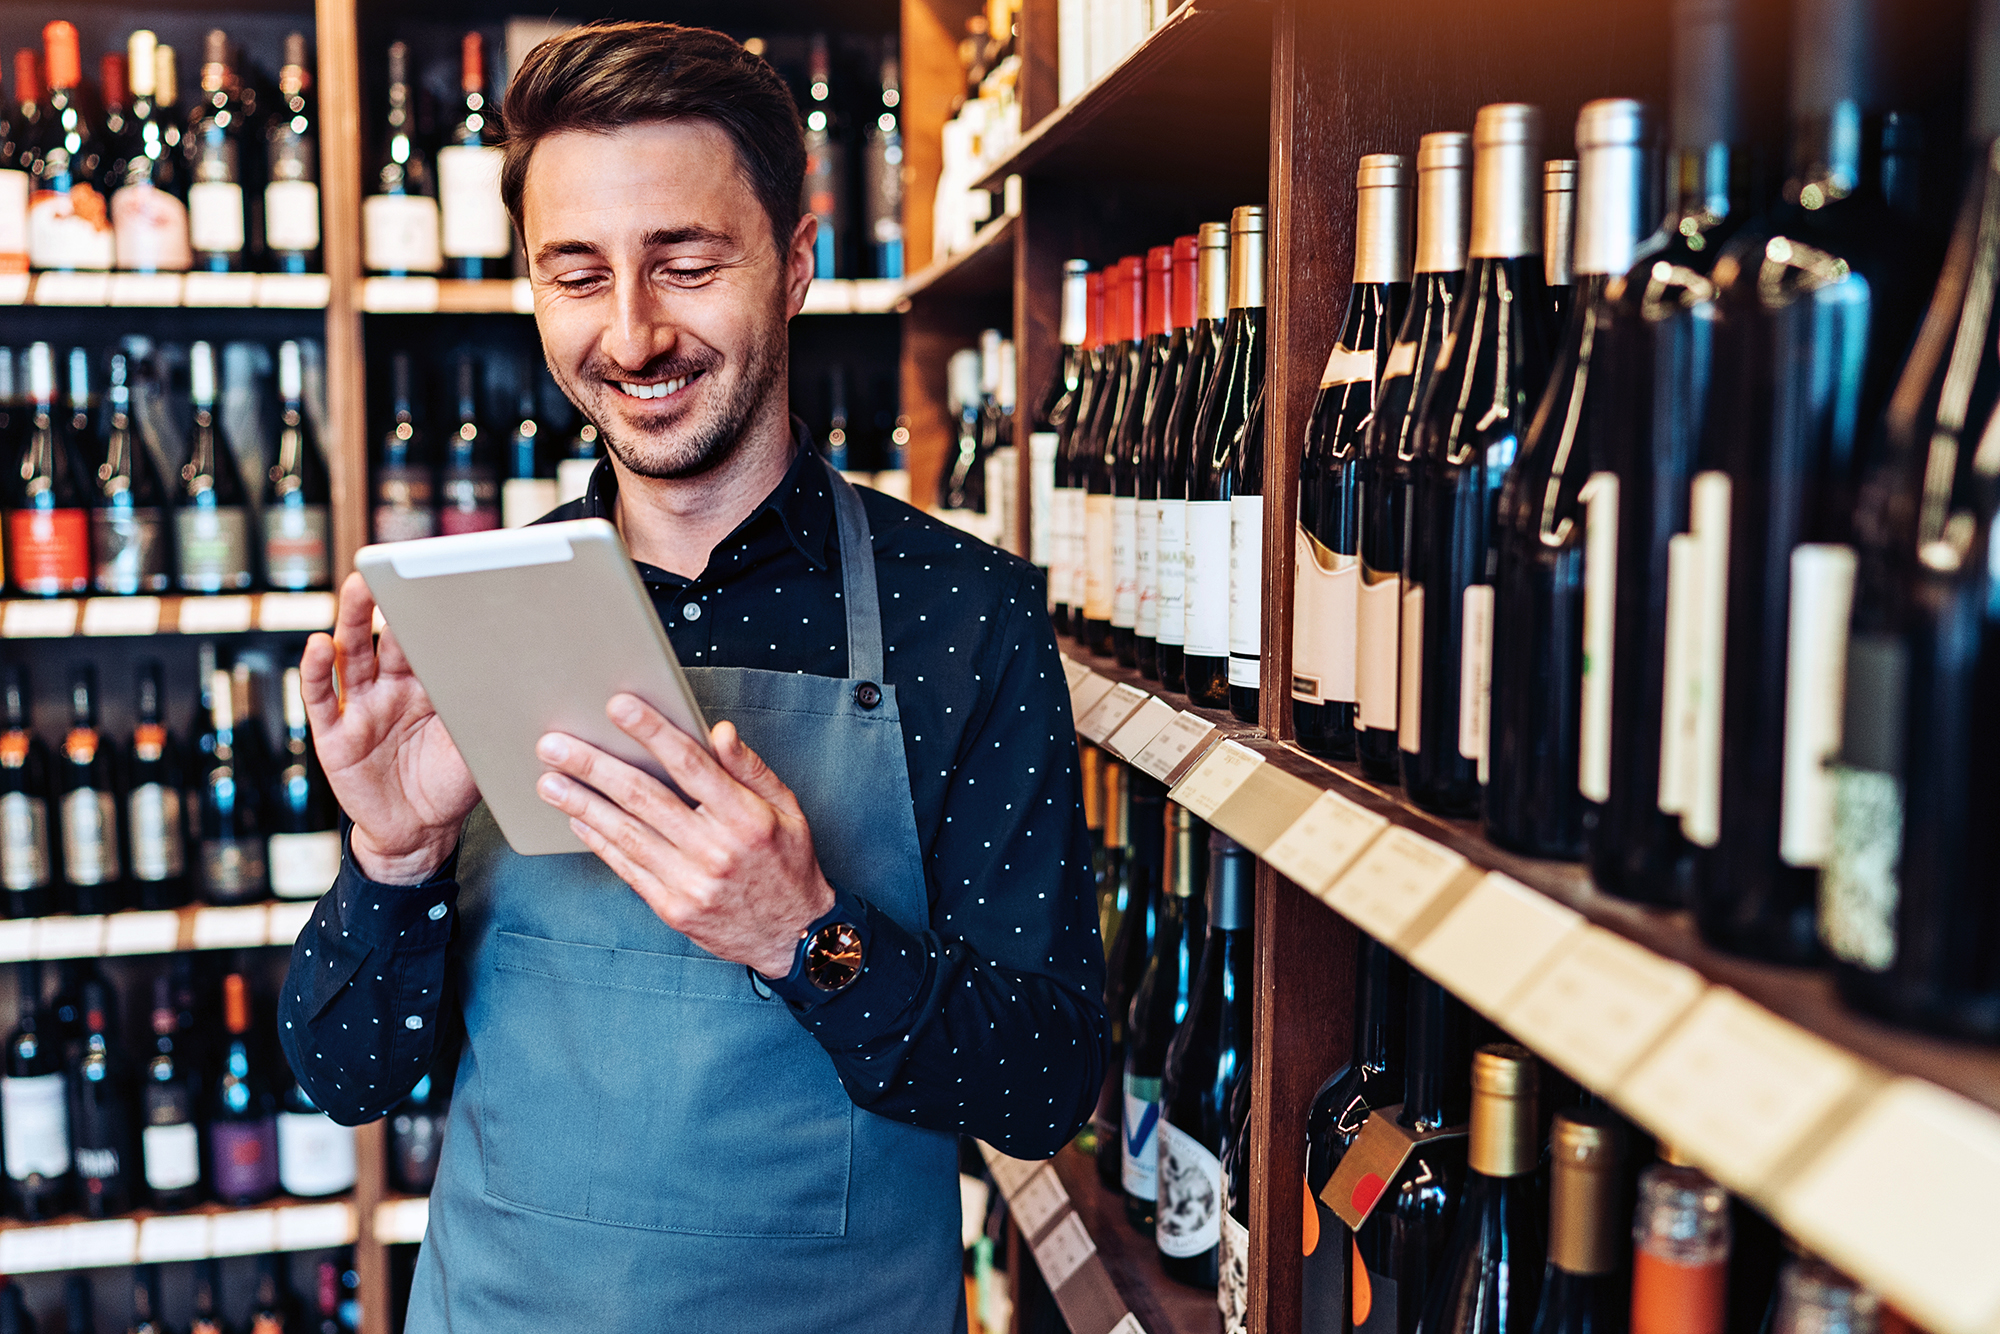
(604, 76)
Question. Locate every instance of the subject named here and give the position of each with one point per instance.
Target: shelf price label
(294, 291)
(1179, 743)
(1085, 694)
(1009, 1174)
(121, 616)
(73, 289)
(232, 928)
(96, 1245)
(224, 614)
(1109, 712)
(1494, 940)
(1073, 671)
(402, 1222)
(288, 919)
(1393, 885)
(1137, 732)
(17, 942)
(34, 1250)
(232, 290)
(1040, 1198)
(171, 1237)
(312, 1227)
(1323, 842)
(244, 1232)
(1064, 1251)
(296, 611)
(1597, 1007)
(145, 289)
(1215, 779)
(387, 296)
(69, 937)
(33, 618)
(143, 933)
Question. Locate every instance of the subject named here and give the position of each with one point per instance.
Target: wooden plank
(346, 441)
(371, 1256)
(931, 84)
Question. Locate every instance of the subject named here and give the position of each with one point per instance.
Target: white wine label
(1246, 585)
(70, 230)
(1815, 679)
(14, 191)
(1038, 1200)
(1059, 546)
(1318, 846)
(1065, 1250)
(1393, 883)
(296, 545)
(214, 548)
(1171, 563)
(1325, 609)
(399, 234)
(1494, 940)
(1410, 673)
(1207, 557)
(303, 866)
(1216, 778)
(1600, 604)
(24, 841)
(1708, 511)
(1475, 674)
(291, 216)
(1100, 584)
(215, 217)
(1124, 562)
(150, 229)
(1600, 1004)
(1678, 715)
(1041, 495)
(1377, 635)
(1078, 553)
(475, 221)
(1346, 366)
(34, 1125)
(315, 1156)
(1232, 1293)
(1139, 1154)
(90, 837)
(1189, 1217)
(1146, 559)
(1858, 888)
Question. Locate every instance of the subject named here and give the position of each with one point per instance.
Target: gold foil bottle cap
(1093, 787)
(1502, 1139)
(1246, 257)
(1583, 1233)
(1212, 271)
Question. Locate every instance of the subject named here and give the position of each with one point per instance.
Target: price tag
(1319, 845)
(1266, 804)
(244, 1232)
(399, 295)
(232, 928)
(1038, 1200)
(121, 616)
(1064, 1251)
(34, 1250)
(175, 1237)
(14, 289)
(227, 614)
(1105, 716)
(1128, 1325)
(1390, 886)
(288, 919)
(142, 933)
(1135, 733)
(828, 296)
(1216, 778)
(69, 937)
(1738, 1088)
(402, 1222)
(1903, 1199)
(1597, 1007)
(1009, 1174)
(1178, 742)
(522, 296)
(1085, 694)
(233, 290)
(73, 289)
(294, 291)
(1073, 671)
(313, 1227)
(32, 618)
(1497, 937)
(296, 611)
(145, 289)
(113, 1241)
(17, 942)
(875, 296)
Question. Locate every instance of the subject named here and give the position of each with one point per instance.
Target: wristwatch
(831, 951)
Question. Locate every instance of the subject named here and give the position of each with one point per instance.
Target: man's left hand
(735, 873)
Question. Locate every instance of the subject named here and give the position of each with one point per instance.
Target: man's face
(660, 296)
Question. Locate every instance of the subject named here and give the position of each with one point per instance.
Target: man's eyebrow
(693, 233)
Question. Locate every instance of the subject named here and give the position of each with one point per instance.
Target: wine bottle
(315, 1155)
(471, 493)
(305, 822)
(1215, 623)
(477, 237)
(88, 800)
(16, 185)
(1140, 824)
(1159, 1005)
(213, 518)
(1327, 577)
(1154, 352)
(149, 219)
(208, 1299)
(1370, 1079)
(1816, 303)
(169, 1144)
(1389, 446)
(34, 1110)
(1816, 1298)
(148, 1311)
(1246, 563)
(882, 171)
(1680, 1251)
(1100, 524)
(114, 98)
(296, 518)
(79, 1304)
(416, 1132)
(1490, 371)
(69, 226)
(101, 1123)
(273, 1308)
(291, 155)
(1121, 456)
(1175, 300)
(218, 230)
(24, 804)
(1209, 1053)
(1232, 1287)
(403, 493)
(958, 485)
(128, 511)
(232, 821)
(525, 495)
(1121, 900)
(826, 165)
(1053, 411)
(82, 417)
(242, 1134)
(1074, 448)
(1207, 255)
(1559, 224)
(14, 1315)
(48, 524)
(399, 219)
(575, 469)
(1492, 1272)
(1555, 532)
(328, 1306)
(1001, 484)
(154, 824)
(1580, 1290)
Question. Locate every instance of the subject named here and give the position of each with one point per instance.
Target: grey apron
(641, 1138)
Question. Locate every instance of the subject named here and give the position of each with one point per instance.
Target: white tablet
(524, 631)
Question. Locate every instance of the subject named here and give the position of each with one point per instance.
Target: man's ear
(799, 264)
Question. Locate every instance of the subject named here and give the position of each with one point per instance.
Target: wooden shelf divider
(985, 268)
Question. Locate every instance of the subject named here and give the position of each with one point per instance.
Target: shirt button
(414, 1021)
(691, 611)
(437, 911)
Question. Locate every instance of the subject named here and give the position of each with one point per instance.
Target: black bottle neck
(1436, 1088)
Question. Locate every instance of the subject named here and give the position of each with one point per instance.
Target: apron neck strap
(857, 580)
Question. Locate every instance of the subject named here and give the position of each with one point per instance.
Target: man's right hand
(395, 770)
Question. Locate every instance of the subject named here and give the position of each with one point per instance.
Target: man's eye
(701, 274)
(577, 282)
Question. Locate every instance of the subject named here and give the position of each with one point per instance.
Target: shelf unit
(210, 1231)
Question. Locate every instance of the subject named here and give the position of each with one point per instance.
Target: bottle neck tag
(1373, 1162)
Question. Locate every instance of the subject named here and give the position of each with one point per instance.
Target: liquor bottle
(416, 1131)
(315, 1155)
(149, 219)
(962, 486)
(328, 1306)
(1158, 270)
(1072, 452)
(1559, 205)
(1246, 563)
(1371, 1078)
(882, 171)
(232, 819)
(1327, 577)
(403, 490)
(48, 524)
(1232, 1287)
(1815, 1298)
(1121, 451)
(1489, 374)
(1213, 516)
(471, 493)
(24, 805)
(128, 511)
(242, 1134)
(1209, 1053)
(213, 518)
(1680, 1251)
(88, 799)
(1816, 303)
(68, 224)
(154, 824)
(272, 1307)
(525, 496)
(826, 165)
(1492, 1272)
(1555, 533)
(1053, 412)
(1099, 513)
(99, 1113)
(399, 219)
(16, 185)
(1158, 1007)
(1121, 901)
(477, 237)
(1658, 347)
(114, 99)
(218, 229)
(305, 822)
(34, 1109)
(291, 155)
(169, 1143)
(575, 469)
(1170, 355)
(1389, 447)
(1580, 1290)
(1207, 255)
(296, 518)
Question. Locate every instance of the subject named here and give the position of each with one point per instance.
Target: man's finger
(692, 767)
(747, 767)
(354, 634)
(669, 904)
(593, 772)
(316, 683)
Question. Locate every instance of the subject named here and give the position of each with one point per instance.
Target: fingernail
(553, 786)
(552, 747)
(625, 709)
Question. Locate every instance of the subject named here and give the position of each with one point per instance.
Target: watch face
(833, 956)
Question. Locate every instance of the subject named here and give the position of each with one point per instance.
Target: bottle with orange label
(69, 226)
(1680, 1252)
(154, 822)
(48, 528)
(24, 803)
(89, 805)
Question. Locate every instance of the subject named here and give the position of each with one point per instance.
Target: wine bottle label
(34, 1125)
(1377, 636)
(131, 558)
(399, 234)
(1124, 562)
(573, 479)
(1246, 589)
(1600, 606)
(1059, 546)
(1326, 592)
(475, 221)
(215, 217)
(1139, 1155)
(1041, 491)
(1410, 675)
(1709, 503)
(153, 819)
(150, 229)
(1079, 548)
(1170, 561)
(315, 1156)
(97, 1162)
(1375, 1301)
(401, 523)
(1815, 677)
(1859, 890)
(1206, 558)
(215, 547)
(1678, 712)
(24, 841)
(296, 546)
(471, 505)
(172, 1155)
(1189, 1218)
(526, 499)
(70, 229)
(1346, 366)
(15, 187)
(303, 866)
(1146, 561)
(1475, 674)
(245, 1158)
(232, 870)
(48, 551)
(1100, 584)
(89, 837)
(1232, 1290)
(291, 216)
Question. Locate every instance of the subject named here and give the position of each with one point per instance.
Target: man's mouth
(663, 389)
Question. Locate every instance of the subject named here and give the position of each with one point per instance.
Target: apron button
(868, 694)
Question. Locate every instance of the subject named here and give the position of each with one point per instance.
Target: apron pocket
(656, 1091)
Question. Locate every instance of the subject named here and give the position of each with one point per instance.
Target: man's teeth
(652, 390)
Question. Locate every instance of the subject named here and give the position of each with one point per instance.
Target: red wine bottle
(399, 219)
(26, 869)
(1054, 411)
(1160, 1004)
(48, 522)
(291, 157)
(69, 223)
(1122, 455)
(470, 487)
(169, 1144)
(154, 824)
(218, 227)
(1246, 564)
(242, 1132)
(1559, 205)
(213, 518)
(1202, 264)
(1581, 1292)
(100, 1119)
(34, 1109)
(297, 518)
(128, 512)
(403, 485)
(88, 803)
(1142, 439)
(476, 236)
(1093, 476)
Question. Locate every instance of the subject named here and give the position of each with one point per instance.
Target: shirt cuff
(396, 916)
(880, 998)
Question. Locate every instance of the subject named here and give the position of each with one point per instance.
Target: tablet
(524, 631)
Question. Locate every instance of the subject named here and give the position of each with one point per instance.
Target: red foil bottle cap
(1187, 250)
(1093, 323)
(1114, 305)
(1132, 272)
(1159, 289)
(111, 77)
(60, 43)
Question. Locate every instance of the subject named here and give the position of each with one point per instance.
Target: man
(712, 1075)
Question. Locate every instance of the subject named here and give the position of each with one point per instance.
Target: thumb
(746, 766)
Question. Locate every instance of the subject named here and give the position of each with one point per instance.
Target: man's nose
(641, 330)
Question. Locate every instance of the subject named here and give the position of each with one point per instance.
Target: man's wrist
(784, 954)
(398, 866)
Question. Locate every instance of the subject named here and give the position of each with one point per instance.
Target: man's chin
(667, 445)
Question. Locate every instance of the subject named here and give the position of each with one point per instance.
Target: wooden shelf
(1162, 1305)
(165, 931)
(402, 1220)
(194, 614)
(146, 1237)
(983, 269)
(191, 291)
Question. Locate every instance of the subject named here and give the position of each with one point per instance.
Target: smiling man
(712, 1073)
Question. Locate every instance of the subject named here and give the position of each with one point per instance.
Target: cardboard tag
(1040, 1198)
(1494, 941)
(232, 928)
(402, 1222)
(1085, 694)
(112, 1241)
(1373, 1162)
(1323, 842)
(313, 1227)
(1390, 885)
(243, 1232)
(1179, 742)
(35, 618)
(69, 937)
(296, 611)
(1216, 778)
(1009, 1174)
(121, 616)
(1599, 1004)
(1064, 1251)
(172, 1237)
(143, 933)
(1110, 712)
(1263, 807)
(1137, 732)
(224, 614)
(232, 290)
(294, 291)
